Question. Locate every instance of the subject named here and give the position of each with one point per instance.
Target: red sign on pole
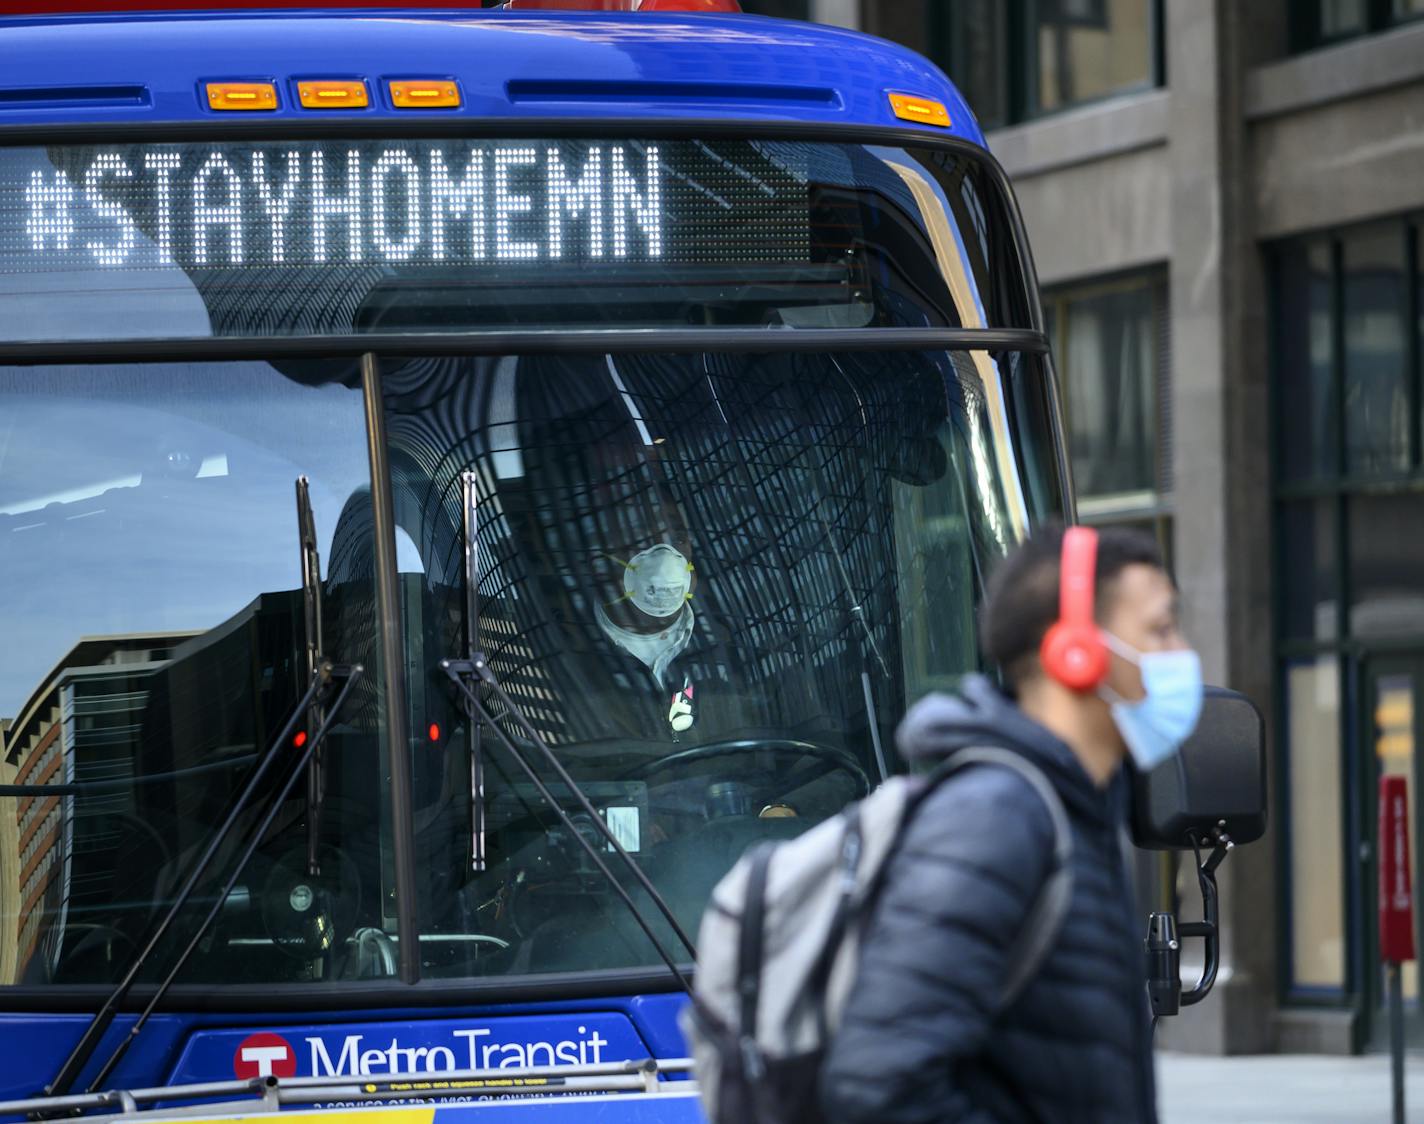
(1396, 897)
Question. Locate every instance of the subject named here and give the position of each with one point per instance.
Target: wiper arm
(478, 668)
(311, 606)
(469, 495)
(84, 1049)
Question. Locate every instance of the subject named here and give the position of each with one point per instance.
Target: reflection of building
(82, 725)
(9, 867)
(776, 501)
(141, 739)
(1225, 204)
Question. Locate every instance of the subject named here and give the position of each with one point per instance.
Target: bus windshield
(711, 578)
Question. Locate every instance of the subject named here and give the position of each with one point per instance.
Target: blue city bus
(465, 475)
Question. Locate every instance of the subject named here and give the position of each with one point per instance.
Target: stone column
(1220, 459)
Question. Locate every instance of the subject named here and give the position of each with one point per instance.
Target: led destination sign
(426, 203)
(389, 237)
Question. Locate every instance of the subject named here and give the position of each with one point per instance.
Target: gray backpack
(778, 947)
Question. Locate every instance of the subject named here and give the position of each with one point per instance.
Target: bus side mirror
(1216, 786)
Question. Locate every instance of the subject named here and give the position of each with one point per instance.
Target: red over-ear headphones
(1072, 651)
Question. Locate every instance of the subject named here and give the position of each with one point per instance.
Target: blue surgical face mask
(1155, 726)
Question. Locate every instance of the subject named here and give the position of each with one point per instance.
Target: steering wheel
(98, 938)
(838, 758)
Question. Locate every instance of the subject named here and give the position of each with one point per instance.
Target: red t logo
(265, 1055)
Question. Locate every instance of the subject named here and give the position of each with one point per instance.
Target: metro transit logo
(357, 1053)
(264, 1055)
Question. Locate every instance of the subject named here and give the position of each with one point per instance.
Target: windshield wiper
(477, 668)
(469, 495)
(321, 684)
(311, 612)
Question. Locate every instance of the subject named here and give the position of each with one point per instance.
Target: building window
(1305, 447)
(1349, 323)
(1323, 23)
(1377, 391)
(971, 41)
(1348, 403)
(1316, 824)
(1015, 60)
(1083, 50)
(1109, 343)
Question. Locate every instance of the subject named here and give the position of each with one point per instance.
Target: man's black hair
(1022, 599)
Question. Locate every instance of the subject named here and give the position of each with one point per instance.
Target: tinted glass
(1087, 49)
(1315, 22)
(713, 582)
(1377, 392)
(416, 236)
(976, 32)
(1306, 415)
(1109, 364)
(150, 584)
(1309, 570)
(1342, 17)
(1386, 579)
(1031, 414)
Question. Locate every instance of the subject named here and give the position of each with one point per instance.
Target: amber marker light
(926, 111)
(241, 96)
(333, 94)
(424, 94)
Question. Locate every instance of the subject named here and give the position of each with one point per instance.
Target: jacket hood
(980, 714)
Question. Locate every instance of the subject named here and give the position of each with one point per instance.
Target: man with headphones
(1094, 672)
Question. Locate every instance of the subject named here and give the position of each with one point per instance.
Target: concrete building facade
(1225, 204)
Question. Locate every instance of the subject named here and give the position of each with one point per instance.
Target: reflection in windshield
(150, 571)
(155, 499)
(711, 582)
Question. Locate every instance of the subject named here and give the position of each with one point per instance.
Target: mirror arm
(1164, 935)
(1207, 929)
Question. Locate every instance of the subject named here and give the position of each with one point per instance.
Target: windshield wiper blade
(84, 1049)
(478, 668)
(469, 495)
(311, 611)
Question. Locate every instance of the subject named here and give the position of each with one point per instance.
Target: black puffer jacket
(920, 1043)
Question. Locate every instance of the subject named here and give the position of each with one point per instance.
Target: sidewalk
(1283, 1089)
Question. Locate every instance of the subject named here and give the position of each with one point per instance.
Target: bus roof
(137, 69)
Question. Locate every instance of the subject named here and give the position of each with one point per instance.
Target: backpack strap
(1050, 906)
(749, 942)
